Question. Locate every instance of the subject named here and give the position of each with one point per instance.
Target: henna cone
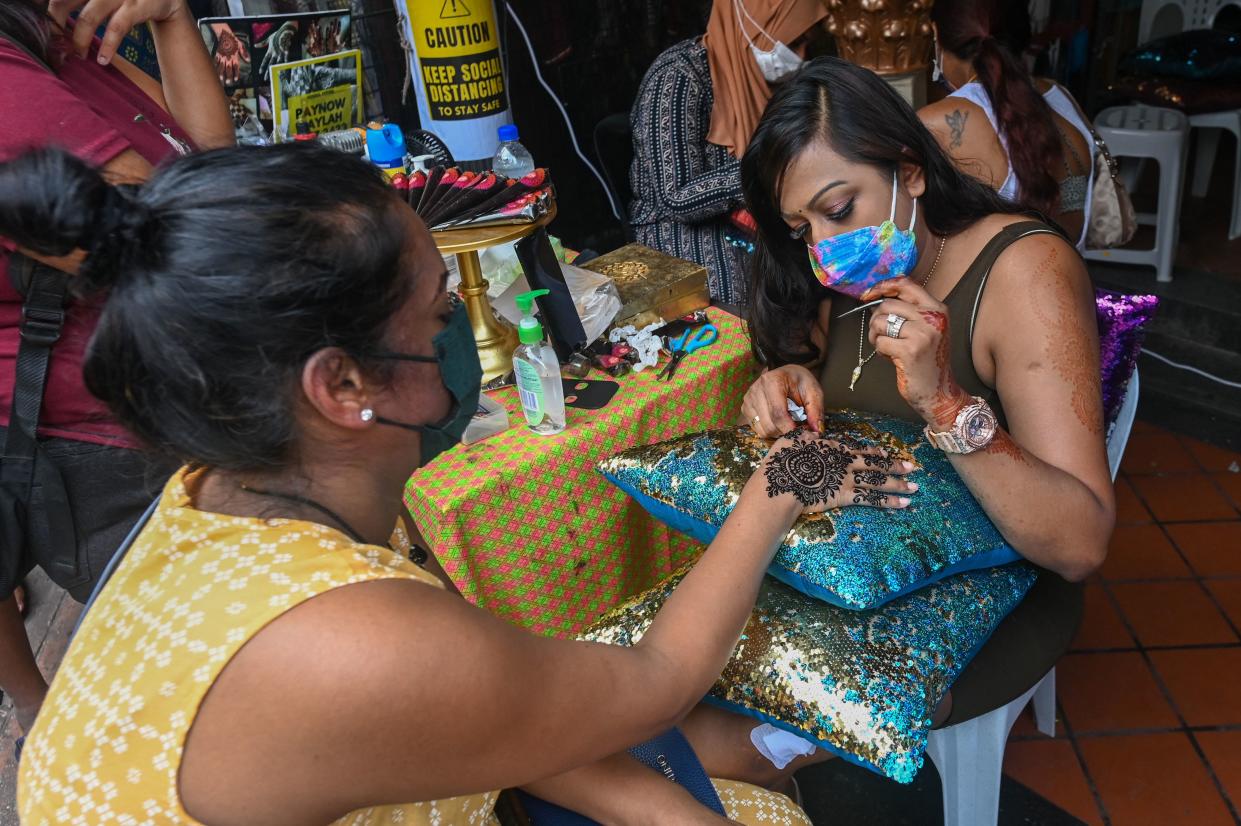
(444, 206)
(433, 179)
(516, 189)
(445, 185)
(417, 185)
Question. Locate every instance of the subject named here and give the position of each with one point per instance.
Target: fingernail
(903, 501)
(908, 465)
(101, 60)
(913, 486)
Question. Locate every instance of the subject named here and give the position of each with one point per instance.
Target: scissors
(683, 346)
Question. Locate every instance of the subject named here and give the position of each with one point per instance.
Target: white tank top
(1060, 103)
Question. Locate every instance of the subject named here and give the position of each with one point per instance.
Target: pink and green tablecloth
(530, 531)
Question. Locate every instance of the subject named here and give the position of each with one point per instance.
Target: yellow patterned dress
(194, 588)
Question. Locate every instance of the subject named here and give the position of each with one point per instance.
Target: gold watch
(973, 429)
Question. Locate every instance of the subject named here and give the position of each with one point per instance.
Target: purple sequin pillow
(1122, 322)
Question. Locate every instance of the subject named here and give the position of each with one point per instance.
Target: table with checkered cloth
(530, 531)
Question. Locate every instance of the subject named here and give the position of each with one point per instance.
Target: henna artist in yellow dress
(261, 656)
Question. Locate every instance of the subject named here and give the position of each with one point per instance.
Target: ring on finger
(895, 323)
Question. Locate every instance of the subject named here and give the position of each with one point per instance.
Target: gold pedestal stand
(496, 338)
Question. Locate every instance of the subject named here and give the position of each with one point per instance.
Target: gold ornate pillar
(890, 37)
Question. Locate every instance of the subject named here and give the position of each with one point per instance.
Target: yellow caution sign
(458, 72)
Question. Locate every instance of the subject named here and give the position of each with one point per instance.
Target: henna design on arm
(1066, 346)
(1002, 444)
(949, 398)
(811, 470)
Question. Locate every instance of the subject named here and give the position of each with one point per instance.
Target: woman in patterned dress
(695, 112)
(277, 320)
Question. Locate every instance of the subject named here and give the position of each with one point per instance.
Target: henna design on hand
(873, 478)
(226, 44)
(881, 461)
(812, 471)
(869, 496)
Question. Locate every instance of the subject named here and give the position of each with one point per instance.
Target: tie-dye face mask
(855, 261)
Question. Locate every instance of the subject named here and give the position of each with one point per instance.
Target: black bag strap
(43, 318)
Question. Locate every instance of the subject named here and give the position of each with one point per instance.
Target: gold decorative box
(652, 284)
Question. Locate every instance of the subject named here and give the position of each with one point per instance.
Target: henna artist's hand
(118, 15)
(825, 473)
(921, 354)
(765, 406)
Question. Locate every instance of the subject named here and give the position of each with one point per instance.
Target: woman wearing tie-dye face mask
(888, 281)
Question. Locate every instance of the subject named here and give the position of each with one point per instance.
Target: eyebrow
(810, 204)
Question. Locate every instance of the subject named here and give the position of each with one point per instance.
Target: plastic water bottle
(512, 159)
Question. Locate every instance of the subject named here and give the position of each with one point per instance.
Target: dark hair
(225, 273)
(26, 23)
(990, 35)
(862, 118)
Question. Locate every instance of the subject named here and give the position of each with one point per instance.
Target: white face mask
(776, 63)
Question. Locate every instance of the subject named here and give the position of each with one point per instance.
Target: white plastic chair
(1164, 17)
(1141, 131)
(970, 755)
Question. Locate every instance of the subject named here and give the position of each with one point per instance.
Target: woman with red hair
(1024, 136)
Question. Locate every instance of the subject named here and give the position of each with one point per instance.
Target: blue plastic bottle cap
(508, 132)
(386, 144)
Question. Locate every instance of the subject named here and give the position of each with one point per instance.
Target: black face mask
(462, 373)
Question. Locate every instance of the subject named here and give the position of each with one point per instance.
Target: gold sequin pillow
(854, 557)
(862, 684)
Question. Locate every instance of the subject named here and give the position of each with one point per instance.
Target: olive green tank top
(875, 391)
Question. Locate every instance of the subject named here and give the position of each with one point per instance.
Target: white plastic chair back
(1161, 18)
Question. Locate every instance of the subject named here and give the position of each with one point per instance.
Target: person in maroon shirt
(59, 86)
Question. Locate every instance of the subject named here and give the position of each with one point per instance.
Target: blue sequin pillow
(855, 557)
(862, 684)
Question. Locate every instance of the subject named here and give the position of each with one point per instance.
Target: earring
(367, 414)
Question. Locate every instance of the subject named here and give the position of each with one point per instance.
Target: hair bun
(124, 230)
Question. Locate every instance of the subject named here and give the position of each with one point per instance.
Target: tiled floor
(1149, 729)
(1150, 694)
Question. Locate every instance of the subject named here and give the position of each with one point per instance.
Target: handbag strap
(43, 318)
(670, 754)
(1112, 167)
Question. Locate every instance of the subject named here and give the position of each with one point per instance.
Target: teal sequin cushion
(862, 684)
(855, 557)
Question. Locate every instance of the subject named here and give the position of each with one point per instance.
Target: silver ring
(758, 420)
(895, 323)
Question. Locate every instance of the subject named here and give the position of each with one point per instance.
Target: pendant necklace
(309, 503)
(862, 361)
